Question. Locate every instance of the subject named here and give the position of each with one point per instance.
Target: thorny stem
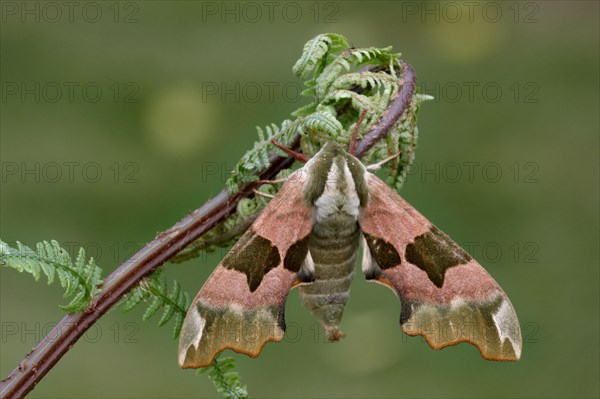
(166, 245)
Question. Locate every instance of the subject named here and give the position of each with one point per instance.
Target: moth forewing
(446, 295)
(241, 305)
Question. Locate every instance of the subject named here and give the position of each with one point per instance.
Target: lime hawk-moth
(308, 237)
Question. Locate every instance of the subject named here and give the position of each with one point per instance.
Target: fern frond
(258, 157)
(81, 279)
(367, 80)
(305, 110)
(315, 53)
(402, 138)
(322, 123)
(175, 303)
(349, 58)
(357, 101)
(132, 299)
(154, 288)
(341, 88)
(226, 381)
(405, 135)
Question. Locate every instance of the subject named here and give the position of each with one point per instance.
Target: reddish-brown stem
(298, 156)
(166, 244)
(393, 113)
(352, 146)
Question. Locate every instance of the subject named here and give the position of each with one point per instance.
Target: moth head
(335, 165)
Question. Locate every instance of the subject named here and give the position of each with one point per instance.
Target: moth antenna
(379, 164)
(352, 149)
(297, 156)
(256, 192)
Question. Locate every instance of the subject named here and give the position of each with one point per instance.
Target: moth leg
(270, 196)
(275, 181)
(379, 164)
(306, 274)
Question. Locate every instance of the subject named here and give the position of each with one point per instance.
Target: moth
(308, 237)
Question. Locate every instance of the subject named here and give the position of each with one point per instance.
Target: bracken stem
(167, 244)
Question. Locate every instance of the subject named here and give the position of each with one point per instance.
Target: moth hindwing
(308, 236)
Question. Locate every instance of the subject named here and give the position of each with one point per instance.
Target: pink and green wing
(241, 305)
(446, 296)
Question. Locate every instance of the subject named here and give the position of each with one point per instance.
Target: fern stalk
(193, 226)
(166, 244)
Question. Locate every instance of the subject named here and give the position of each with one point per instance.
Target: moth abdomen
(329, 288)
(333, 254)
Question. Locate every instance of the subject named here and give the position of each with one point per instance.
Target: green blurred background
(119, 118)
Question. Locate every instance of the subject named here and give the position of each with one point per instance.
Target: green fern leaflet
(80, 279)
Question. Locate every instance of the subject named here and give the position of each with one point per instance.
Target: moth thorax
(339, 198)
